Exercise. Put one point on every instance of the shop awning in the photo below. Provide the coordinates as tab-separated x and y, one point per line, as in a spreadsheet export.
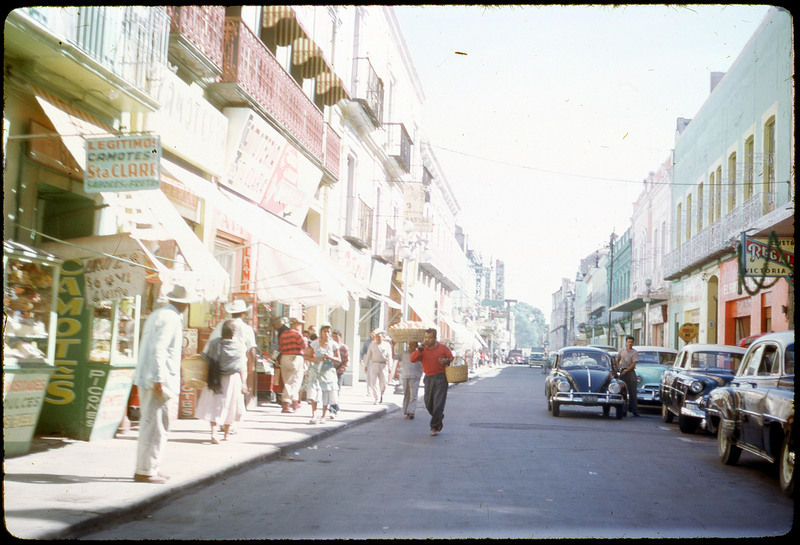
72	125
153	221
308	56
289	266
148	214
330	88
465	336
284	21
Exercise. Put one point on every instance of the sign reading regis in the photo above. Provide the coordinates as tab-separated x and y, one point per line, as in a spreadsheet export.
124	163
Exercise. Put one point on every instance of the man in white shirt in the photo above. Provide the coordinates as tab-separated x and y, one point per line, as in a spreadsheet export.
158	379
376	361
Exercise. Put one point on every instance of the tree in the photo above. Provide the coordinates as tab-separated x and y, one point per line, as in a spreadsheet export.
530	325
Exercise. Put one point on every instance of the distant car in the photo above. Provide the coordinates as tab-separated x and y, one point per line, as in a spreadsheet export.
582	375
610	349
698	369
515	357
756	411
536	359
747	341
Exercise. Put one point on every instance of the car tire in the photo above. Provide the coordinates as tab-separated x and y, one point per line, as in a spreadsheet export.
688	424
606	410
556	408
786	468
728	451
666	414
622	410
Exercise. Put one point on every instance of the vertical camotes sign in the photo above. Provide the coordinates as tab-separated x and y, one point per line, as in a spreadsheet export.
122	163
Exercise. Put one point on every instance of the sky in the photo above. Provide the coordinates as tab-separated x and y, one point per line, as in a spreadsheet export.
546	119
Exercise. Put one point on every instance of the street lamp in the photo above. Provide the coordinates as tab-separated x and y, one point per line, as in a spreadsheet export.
647	300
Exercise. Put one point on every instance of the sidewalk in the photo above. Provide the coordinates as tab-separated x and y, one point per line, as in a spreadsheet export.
63	486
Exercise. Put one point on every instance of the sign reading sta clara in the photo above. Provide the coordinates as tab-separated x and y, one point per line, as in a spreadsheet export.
122	163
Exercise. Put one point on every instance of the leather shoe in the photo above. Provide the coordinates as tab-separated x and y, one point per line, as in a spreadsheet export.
154	479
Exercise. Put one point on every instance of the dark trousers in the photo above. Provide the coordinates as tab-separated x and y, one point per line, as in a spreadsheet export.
630	382
435	398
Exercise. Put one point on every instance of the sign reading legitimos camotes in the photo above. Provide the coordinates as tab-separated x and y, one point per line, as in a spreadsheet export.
122	163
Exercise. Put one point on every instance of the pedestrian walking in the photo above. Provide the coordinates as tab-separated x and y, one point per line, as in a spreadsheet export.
410	375
323	384
158	379
344	359
244	332
293	347
222	400
376	361
627	358
434	357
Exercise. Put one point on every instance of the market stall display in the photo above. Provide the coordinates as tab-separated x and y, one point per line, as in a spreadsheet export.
30	284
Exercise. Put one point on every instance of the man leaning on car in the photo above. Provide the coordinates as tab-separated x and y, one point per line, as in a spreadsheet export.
627	358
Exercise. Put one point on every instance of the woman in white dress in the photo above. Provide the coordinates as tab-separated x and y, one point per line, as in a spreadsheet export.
323	382
222	400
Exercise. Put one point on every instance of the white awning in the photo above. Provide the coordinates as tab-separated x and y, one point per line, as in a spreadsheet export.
154	222
150	216
289	266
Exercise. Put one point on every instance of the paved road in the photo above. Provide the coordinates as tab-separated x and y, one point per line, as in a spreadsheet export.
502	467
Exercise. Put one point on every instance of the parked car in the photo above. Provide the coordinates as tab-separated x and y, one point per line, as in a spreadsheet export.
536	359
698	369
756	411
653	361
745	342
583	375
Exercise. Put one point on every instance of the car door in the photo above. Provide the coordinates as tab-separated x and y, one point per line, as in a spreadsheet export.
670	379
761	375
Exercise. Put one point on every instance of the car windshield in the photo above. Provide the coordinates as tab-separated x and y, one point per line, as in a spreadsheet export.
790	359
585	359
663	358
721	360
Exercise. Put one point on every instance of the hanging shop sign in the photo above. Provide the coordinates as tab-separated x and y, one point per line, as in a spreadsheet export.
414	199
124	163
688	331
761	257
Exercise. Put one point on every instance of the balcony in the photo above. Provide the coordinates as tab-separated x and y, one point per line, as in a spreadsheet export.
333	150
116	51
359	228
196	38
398	145
366	106
253	78
716	240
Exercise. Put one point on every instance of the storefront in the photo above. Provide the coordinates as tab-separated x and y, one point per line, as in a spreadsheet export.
30	288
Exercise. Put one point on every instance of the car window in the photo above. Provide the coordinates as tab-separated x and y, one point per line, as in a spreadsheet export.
649	357
753	362
585	359
789	360
722	360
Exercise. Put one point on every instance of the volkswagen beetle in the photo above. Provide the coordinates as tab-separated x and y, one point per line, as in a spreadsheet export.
756	411
583	375
698	369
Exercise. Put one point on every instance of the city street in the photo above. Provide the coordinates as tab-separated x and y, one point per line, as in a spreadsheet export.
502	467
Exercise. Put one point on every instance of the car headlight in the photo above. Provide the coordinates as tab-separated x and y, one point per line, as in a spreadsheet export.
614	388
696	387
638	379
563	386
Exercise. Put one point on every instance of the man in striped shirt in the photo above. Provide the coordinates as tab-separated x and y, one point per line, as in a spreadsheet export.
292	346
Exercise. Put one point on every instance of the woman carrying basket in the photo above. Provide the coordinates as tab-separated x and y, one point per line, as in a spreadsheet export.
434	357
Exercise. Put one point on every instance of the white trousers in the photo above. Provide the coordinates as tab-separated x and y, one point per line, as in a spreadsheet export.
153	432
377	374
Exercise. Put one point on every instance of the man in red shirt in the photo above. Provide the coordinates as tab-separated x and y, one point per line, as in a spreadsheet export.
434	357
292	346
